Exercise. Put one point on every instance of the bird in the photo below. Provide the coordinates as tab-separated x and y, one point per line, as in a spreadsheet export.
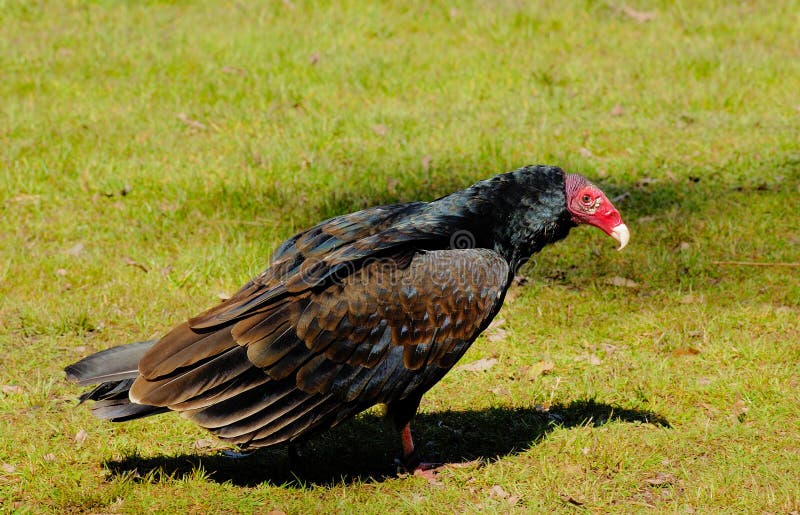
367	308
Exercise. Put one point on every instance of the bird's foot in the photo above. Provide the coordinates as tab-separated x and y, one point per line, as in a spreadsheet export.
413	467
429	470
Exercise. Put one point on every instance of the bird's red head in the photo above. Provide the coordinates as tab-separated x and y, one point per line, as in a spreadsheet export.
589	205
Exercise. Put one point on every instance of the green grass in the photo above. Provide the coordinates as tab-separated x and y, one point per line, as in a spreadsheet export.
154	153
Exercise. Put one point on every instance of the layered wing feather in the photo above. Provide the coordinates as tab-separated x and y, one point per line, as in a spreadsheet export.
268	368
323	251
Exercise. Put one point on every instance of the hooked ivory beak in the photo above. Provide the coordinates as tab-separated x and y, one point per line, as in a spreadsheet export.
621	234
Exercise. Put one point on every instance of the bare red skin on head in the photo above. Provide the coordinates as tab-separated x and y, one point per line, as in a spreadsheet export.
589	205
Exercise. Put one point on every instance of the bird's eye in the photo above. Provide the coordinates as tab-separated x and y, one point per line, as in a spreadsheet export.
586	199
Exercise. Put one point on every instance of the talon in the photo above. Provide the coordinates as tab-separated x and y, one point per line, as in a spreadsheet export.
418	468
429	470
423	466
409	463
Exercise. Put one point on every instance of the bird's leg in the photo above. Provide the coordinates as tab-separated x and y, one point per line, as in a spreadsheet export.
400	412
409	463
407	442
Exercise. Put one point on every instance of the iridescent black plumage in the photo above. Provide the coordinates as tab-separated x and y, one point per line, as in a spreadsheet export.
366	308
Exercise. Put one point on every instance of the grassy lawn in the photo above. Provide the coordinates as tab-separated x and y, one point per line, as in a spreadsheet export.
154	153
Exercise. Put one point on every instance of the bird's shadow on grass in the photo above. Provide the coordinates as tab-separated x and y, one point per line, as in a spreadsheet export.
361	450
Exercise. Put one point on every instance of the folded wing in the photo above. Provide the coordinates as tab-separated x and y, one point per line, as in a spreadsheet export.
258	372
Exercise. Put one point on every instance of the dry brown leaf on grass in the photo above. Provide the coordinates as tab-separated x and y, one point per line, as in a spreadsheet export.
739	408
131	262
478	366
391	185
685	351
622	282
75	249
234	70
25	197
380	129
511	294
495	331
192	124
540	368
617	110
498	492
81	436
662	479
431	476
692	299
497	335
639	16
477	463
571	500
11	388
204	443
426	161
499	390
591	359
610	349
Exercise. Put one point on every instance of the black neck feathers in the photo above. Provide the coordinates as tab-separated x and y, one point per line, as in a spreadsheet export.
515	213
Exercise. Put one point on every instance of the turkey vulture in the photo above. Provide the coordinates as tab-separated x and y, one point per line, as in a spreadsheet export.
372	307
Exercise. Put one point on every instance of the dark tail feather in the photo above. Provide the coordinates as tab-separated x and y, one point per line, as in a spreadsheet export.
120	410
109	365
114	371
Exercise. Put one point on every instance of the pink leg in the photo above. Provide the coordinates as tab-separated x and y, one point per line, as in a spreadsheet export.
406	441
424	469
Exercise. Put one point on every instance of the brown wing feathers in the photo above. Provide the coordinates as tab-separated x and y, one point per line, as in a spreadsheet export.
184	384
304	261
180	348
289	366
